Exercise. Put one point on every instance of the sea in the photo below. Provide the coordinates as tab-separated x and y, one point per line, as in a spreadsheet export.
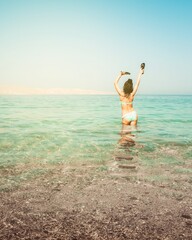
66	129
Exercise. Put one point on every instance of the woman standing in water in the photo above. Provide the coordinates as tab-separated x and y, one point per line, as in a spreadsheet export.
129	115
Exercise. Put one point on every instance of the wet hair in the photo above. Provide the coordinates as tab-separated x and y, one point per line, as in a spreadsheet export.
128	87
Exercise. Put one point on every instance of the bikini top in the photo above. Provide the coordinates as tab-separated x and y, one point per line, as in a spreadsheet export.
126	103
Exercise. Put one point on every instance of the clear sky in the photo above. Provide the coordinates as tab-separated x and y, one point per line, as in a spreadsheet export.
85	43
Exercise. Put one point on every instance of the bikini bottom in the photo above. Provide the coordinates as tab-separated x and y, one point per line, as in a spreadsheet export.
130	116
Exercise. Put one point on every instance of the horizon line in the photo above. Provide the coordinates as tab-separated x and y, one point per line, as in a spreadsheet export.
6	90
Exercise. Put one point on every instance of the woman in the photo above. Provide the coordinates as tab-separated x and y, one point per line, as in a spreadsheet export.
129	115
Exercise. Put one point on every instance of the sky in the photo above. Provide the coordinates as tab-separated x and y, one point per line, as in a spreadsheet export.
84	44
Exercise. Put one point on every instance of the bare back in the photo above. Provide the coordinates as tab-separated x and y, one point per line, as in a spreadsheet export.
127	103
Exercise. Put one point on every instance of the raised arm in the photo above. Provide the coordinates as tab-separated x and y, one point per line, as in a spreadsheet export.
120	92
141	72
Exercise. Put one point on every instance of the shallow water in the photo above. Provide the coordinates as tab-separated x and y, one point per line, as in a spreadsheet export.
65	129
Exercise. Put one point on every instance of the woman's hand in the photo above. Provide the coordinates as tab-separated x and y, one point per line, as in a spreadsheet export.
124	73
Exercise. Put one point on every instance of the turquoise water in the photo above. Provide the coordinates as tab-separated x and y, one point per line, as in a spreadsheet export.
66	129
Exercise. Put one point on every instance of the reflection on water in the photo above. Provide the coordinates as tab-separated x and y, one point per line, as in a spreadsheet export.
127	137
125	145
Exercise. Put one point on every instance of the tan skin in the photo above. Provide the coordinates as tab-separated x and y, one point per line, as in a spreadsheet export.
128	98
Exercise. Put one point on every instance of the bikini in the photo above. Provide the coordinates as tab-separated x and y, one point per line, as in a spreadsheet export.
129	116
126	103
